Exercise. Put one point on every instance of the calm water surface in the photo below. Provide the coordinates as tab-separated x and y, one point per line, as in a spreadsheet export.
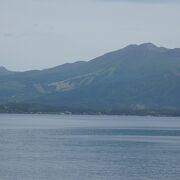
55	147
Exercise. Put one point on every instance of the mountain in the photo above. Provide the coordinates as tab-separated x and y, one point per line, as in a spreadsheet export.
4	71
137	77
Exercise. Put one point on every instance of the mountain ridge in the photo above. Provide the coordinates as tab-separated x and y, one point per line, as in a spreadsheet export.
147	46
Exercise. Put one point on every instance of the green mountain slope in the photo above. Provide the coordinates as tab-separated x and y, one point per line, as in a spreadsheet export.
138	77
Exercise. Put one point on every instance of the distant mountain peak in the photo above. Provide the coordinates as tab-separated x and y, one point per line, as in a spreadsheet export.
149	46
153	47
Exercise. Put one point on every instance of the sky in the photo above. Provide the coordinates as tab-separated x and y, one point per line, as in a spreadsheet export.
38	34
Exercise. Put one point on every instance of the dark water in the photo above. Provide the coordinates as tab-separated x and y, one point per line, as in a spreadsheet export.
52	147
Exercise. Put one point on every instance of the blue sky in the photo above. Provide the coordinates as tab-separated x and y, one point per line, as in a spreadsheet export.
37	34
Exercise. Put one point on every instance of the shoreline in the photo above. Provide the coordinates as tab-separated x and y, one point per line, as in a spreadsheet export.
87	114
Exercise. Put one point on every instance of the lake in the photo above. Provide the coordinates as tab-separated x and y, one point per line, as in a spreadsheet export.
67	147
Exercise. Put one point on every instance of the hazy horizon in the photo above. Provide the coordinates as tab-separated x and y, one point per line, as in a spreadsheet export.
39	34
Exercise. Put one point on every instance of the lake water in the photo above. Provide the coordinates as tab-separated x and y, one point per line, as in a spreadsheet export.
55	147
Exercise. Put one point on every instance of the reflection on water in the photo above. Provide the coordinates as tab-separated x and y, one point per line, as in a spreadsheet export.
89	147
